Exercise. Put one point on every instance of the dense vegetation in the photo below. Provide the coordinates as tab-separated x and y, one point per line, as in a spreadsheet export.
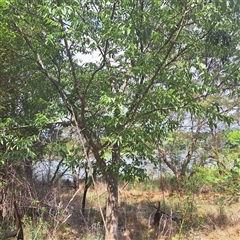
103	88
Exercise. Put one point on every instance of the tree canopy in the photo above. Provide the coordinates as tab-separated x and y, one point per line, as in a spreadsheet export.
149	65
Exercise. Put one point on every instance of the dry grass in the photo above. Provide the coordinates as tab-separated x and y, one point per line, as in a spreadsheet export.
205	216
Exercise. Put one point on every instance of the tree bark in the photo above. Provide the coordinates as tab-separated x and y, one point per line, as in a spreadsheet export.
84	198
111	231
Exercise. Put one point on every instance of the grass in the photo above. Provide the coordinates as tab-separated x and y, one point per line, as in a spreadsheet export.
205	215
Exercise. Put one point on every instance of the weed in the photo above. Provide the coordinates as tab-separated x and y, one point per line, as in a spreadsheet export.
201	213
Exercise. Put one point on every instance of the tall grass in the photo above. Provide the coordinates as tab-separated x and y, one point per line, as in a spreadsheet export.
201	211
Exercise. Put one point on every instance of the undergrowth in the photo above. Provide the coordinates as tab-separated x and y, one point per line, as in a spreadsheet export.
201	206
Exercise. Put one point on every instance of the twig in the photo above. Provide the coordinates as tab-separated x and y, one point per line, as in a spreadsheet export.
151	203
71	199
37	231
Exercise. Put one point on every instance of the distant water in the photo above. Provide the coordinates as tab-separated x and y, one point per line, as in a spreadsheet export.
45	170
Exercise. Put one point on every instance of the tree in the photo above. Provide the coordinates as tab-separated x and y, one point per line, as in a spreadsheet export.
25	110
148	71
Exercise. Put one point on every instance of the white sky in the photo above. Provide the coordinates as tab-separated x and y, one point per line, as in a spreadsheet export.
88	58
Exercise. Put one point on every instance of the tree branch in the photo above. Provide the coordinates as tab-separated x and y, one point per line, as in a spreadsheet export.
163	155
43	68
192	147
152	79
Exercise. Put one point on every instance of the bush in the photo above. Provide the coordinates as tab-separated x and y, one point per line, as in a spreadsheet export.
202	180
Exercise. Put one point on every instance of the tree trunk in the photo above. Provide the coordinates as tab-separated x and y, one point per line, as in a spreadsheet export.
111	177
84	199
87	185
111	232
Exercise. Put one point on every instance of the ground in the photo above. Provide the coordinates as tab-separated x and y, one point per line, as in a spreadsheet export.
205	215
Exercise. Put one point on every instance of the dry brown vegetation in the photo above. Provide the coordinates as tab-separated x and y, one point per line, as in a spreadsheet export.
205	215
